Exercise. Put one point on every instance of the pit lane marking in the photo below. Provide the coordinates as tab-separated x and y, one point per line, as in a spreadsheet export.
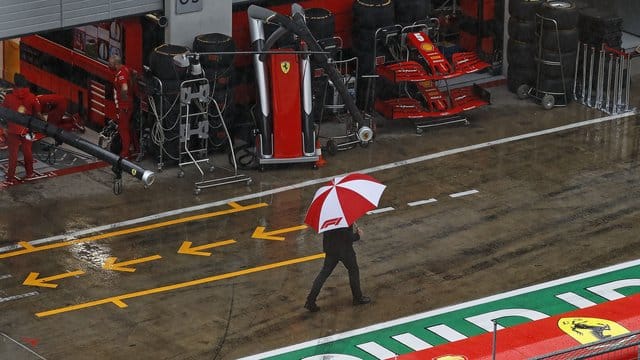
14	297
252	196
464	193
27	247
422	202
381	210
119	299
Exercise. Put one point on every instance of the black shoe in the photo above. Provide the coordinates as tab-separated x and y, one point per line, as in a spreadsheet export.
312	307
363	300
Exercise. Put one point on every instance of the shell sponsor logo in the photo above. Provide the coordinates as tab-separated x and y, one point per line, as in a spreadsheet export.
451	357
427	47
22	109
586	330
285	66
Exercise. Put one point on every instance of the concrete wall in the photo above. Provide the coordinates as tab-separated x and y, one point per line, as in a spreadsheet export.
215	17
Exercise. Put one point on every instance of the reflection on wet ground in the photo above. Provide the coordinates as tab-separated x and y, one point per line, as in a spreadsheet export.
544	207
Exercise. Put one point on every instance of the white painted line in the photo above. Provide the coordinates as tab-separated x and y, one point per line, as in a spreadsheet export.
81	233
440	311
576	300
22	346
422	202
376	350
17	297
464	193
2	277
446	332
412	342
381	210
608	290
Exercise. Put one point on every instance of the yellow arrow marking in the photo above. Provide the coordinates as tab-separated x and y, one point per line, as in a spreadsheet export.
119	300
33	280
186	248
259	233
110	263
28	248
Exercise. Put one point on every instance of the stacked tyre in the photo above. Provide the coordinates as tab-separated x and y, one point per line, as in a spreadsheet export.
559	47
599	27
409	11
321	24
217	62
162	66
521	46
368	16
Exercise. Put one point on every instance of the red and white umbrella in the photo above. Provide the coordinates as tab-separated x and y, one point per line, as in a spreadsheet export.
342	201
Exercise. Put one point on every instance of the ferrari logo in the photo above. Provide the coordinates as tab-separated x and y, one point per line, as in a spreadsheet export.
285	66
586	330
451	357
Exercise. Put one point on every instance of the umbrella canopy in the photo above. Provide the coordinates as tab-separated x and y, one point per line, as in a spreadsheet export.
342	201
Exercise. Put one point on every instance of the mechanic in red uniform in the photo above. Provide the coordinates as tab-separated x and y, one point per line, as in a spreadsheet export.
123	97
55	107
24	102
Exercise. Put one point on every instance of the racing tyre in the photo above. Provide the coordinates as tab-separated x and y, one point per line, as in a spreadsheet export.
563	12
373	14
214	42
566	40
524	9
161	62
522	30
568	61
517	77
320	22
555	85
521	54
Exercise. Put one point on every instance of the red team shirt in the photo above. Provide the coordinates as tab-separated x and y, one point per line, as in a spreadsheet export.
123	76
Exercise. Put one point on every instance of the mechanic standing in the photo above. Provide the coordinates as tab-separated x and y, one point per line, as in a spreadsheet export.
123	97
23	101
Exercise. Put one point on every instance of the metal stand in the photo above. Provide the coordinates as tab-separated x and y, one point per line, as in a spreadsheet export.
193	93
456	119
547	99
612	86
236	177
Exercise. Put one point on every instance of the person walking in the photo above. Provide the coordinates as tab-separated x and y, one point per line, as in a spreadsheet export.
123	97
338	247
23	101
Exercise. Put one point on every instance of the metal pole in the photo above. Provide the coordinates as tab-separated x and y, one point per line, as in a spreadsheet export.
608	90
119	164
626	108
585	50
591	59
599	89
575	74
623	81
615	87
495	338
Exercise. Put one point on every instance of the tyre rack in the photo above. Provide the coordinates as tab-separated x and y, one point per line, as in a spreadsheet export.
441	106
546	98
194	93
612	86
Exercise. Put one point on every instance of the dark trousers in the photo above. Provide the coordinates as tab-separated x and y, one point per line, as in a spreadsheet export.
14	141
330	262
124	120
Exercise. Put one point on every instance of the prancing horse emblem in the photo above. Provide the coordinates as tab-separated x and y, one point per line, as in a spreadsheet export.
285	66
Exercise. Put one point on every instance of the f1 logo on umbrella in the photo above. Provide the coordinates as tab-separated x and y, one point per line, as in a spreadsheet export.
345	197
331	222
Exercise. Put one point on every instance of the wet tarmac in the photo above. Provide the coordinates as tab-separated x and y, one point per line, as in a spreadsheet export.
531	206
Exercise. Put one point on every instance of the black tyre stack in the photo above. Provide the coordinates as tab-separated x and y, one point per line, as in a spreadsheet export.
409	11
321	24
368	16
521	47
561	47
219	70
598	27
162	66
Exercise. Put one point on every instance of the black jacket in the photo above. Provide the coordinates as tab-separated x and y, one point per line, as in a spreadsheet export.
339	241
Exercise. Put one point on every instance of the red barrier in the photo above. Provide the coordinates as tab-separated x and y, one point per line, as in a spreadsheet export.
536	338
